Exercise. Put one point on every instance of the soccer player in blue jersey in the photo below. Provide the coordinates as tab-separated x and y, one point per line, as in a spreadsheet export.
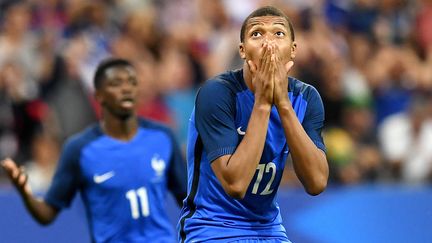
244	125
122	167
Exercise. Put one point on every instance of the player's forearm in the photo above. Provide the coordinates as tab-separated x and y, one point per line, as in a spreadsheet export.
241	167
42	212
310	163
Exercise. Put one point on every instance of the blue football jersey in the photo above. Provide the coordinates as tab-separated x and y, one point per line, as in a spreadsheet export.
123	184
218	123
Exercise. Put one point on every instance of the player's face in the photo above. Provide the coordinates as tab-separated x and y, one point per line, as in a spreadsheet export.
118	94
267	29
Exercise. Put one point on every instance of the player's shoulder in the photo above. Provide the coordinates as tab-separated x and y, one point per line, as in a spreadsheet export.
229	82
147	124
300	88
79	140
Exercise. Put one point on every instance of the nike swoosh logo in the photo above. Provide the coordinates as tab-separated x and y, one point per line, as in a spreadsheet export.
101	178
240	131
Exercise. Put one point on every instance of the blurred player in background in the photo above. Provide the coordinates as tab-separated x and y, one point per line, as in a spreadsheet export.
122	167
244	125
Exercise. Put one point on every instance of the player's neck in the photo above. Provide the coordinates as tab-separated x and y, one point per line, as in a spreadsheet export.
247	76
122	129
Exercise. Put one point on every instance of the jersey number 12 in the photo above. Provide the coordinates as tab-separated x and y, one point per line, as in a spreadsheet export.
135	196
261	167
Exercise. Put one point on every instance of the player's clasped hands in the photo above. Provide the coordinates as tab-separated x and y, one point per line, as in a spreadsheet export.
270	77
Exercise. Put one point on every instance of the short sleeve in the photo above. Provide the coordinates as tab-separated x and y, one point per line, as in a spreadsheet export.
215	119
313	121
66	178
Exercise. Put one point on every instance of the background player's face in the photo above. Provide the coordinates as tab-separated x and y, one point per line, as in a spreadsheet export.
119	90
272	29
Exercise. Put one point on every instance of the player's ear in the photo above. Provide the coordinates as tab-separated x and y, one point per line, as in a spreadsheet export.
242	51
293	50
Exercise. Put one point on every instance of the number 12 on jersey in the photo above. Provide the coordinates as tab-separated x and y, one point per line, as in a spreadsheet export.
267	168
135	196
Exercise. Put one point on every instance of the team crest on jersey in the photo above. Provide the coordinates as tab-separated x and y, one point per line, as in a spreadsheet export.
158	164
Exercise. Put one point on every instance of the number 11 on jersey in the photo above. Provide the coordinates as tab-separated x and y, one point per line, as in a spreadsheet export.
135	196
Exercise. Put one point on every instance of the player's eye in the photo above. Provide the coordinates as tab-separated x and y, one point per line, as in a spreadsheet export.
114	82
256	34
280	33
133	81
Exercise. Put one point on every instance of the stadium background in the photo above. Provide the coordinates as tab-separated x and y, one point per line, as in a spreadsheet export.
370	60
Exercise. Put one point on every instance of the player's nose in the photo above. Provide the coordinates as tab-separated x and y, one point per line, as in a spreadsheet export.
126	87
268	41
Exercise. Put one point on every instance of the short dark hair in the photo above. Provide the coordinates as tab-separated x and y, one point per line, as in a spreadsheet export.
266	11
103	66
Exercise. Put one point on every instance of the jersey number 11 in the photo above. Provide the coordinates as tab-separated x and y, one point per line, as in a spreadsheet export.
135	196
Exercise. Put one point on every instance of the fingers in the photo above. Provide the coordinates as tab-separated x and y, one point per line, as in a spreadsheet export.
16	175
22	177
269	59
278	55
288	66
10	167
264	61
252	66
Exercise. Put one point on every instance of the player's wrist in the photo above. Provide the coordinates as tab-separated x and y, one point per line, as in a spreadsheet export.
281	99
283	105
263	106
262	99
26	197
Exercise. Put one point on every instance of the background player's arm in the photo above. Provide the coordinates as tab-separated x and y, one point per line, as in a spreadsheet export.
40	210
236	171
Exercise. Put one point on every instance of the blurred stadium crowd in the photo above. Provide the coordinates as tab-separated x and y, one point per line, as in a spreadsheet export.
370	60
